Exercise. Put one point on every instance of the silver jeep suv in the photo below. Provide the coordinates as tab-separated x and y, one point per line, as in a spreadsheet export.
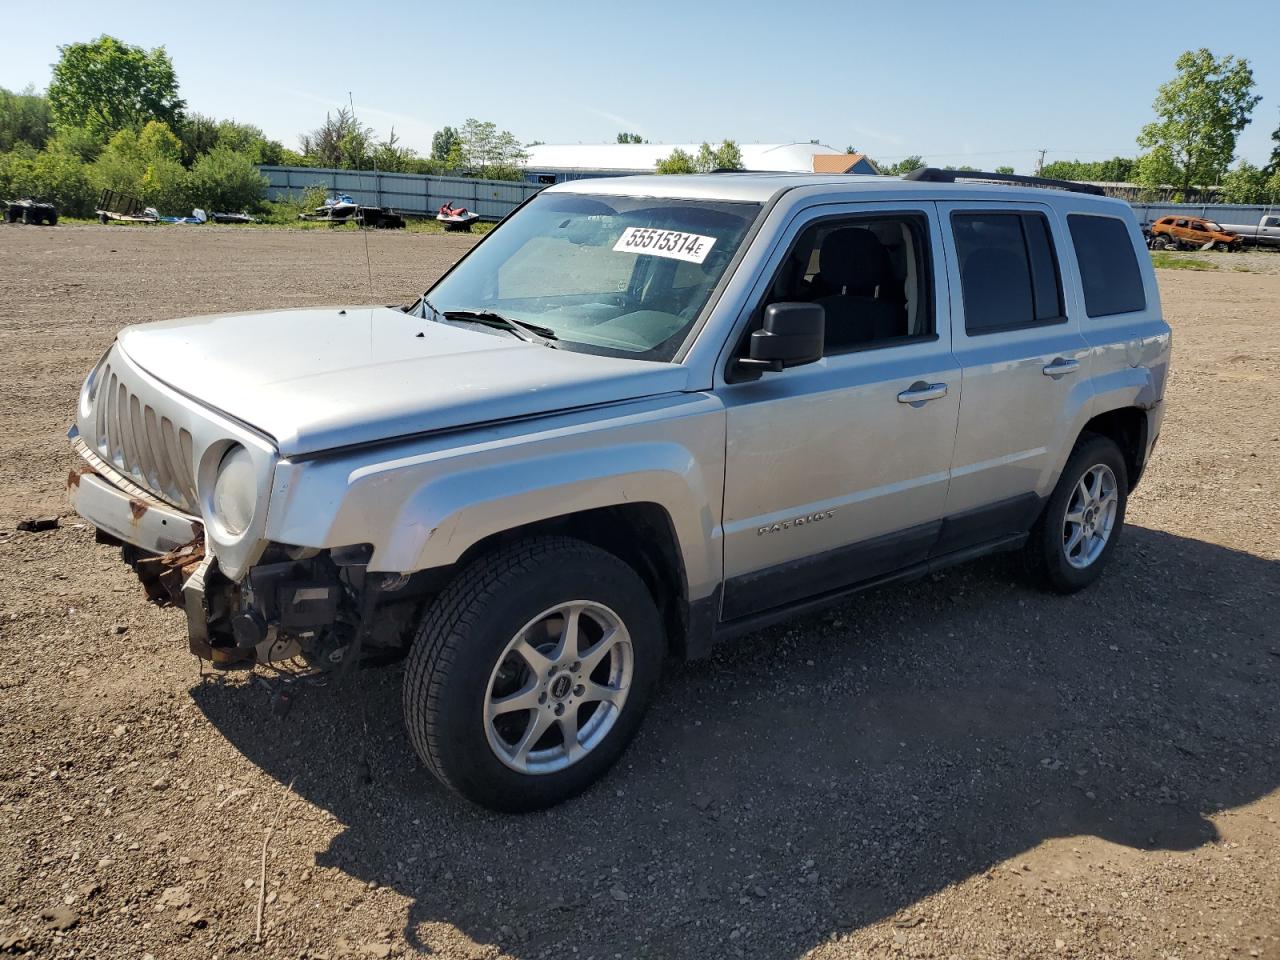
643	416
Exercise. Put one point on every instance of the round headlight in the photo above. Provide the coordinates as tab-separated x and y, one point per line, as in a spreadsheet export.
235	491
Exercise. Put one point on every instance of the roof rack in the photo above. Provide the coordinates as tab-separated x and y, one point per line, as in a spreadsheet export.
934	175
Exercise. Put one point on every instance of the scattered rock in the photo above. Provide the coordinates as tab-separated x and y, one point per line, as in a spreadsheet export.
619	894
175	897
60	917
38	524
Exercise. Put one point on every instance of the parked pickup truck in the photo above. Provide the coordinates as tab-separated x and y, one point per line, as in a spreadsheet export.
1265	233
641	417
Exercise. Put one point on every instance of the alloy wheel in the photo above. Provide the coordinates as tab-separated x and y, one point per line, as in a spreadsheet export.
1090	516
558	688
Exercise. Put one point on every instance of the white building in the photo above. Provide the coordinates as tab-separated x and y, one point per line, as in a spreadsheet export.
553	163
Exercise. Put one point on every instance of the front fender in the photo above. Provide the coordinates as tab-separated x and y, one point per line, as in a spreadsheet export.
421	505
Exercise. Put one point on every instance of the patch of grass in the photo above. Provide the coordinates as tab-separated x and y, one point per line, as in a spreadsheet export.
1170	261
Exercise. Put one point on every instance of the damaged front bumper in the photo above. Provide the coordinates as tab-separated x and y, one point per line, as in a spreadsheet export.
124	510
165	546
294	602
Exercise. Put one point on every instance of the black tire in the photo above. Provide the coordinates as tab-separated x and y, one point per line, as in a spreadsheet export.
1045	553
463	638
52	218
102	219
30	217
1160	243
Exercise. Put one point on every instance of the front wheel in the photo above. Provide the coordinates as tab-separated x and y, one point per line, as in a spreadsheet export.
531	673
1078	529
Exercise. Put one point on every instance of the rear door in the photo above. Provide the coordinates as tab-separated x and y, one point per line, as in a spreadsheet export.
1024	366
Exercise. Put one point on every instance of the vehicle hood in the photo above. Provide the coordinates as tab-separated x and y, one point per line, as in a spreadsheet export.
324	378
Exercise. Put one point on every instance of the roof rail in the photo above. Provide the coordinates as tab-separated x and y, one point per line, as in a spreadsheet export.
934	175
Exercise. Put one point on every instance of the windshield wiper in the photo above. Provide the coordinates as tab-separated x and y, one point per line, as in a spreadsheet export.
527	332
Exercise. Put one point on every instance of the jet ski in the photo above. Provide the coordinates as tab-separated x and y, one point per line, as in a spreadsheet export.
456	218
338	207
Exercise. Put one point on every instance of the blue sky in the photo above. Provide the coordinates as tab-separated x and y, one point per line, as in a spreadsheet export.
973	81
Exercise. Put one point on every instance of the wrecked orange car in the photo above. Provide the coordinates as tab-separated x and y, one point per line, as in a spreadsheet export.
1192	233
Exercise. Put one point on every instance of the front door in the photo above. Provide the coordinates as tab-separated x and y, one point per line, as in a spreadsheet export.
836	472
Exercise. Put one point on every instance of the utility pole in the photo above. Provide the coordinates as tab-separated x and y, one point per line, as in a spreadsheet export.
1040	162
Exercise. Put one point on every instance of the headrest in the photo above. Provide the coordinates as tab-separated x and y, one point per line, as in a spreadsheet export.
854	259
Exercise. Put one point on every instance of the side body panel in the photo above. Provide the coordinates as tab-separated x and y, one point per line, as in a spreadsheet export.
423	504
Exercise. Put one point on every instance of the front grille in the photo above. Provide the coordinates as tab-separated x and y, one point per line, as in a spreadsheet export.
144	445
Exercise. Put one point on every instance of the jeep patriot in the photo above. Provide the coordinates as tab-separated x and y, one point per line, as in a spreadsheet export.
641	417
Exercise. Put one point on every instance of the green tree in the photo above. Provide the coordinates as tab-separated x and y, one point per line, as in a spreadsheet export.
442	143
78	142
1154	170
1115	170
223	179
490	153
903	166
1249	184
341	141
200	134
146	165
1199	116
1004	169
631	138
24	118
52	175
678	161
727	156
105	86
1273	165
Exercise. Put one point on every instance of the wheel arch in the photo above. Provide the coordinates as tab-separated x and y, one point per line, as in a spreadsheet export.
641	534
1127	427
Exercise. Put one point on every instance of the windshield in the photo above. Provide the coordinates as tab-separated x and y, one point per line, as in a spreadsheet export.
623	276
1212	225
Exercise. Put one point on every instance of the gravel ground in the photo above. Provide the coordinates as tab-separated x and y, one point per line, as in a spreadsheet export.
959	767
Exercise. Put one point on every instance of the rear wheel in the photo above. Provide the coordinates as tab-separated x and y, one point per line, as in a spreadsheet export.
1078	529
1160	243
531	673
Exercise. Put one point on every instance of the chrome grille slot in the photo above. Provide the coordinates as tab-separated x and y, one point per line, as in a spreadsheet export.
144	445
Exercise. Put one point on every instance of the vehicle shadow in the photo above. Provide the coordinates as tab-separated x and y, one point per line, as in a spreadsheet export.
822	775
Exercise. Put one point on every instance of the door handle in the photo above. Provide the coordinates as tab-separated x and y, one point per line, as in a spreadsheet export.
1060	367
920	393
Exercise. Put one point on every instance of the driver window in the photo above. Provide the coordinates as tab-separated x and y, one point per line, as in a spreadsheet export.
871	274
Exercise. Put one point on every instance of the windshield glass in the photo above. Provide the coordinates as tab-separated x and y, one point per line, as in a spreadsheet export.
624	276
1212	225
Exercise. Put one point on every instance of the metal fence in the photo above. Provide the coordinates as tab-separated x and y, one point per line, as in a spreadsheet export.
406	192
1237	213
494	199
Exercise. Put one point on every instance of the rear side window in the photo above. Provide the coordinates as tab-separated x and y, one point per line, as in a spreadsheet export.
1008	271
1108	266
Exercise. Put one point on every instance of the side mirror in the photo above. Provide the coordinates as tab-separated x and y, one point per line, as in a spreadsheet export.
792	335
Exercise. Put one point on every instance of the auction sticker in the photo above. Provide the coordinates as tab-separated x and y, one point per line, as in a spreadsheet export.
692	247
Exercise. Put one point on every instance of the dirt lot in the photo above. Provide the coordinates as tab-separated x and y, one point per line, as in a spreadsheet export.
960	767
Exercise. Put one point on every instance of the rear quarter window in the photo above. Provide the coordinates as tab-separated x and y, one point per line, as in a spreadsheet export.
1109	270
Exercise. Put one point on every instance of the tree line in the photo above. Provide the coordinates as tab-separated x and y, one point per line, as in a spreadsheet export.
112	118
